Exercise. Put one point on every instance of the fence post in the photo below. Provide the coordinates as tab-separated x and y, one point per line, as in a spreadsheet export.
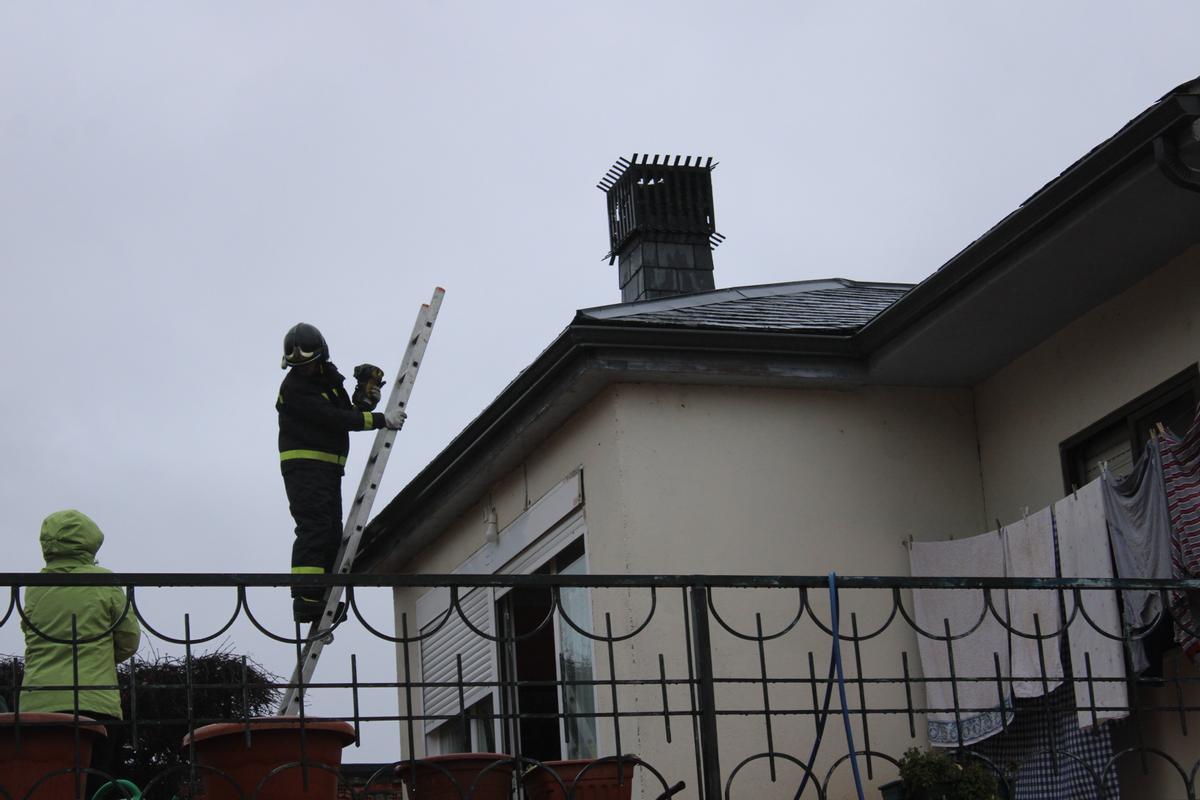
709	743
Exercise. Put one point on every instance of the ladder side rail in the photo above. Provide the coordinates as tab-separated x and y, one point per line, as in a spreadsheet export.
368	487
363	500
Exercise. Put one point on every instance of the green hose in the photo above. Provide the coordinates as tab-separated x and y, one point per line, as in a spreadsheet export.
122	789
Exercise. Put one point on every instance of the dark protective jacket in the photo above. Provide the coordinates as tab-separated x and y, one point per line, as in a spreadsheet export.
316	416
105	625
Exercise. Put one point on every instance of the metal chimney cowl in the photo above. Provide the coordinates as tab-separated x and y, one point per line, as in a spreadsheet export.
661	225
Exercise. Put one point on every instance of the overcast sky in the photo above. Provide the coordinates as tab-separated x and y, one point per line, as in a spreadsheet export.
182	182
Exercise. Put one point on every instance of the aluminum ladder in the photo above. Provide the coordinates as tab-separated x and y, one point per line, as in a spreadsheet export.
320	633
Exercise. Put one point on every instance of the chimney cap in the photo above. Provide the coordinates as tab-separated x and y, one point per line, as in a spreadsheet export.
659	194
622	164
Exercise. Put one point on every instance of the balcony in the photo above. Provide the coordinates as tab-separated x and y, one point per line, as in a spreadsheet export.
694	686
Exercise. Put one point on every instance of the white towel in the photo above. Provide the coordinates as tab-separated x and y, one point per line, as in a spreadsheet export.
1083	551
974	655
1029	553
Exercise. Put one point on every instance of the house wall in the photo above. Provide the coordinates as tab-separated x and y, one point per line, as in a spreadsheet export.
732	480
1088	369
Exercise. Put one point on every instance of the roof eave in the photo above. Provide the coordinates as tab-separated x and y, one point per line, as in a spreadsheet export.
1081	181
588	356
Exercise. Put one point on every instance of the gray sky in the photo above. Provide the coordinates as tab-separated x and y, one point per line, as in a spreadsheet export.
180	183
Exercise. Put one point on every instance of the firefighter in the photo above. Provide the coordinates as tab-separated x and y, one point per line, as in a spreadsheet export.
315	418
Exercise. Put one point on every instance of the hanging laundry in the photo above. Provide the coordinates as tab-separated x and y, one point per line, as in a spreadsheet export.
1094	634
1054	759
970	708
1181	478
1029	553
1139	528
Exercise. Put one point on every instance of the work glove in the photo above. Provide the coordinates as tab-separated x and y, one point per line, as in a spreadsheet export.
366	393
395	419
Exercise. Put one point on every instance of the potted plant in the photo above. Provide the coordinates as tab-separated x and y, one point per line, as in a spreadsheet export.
580	779
38	744
244	757
477	776
934	775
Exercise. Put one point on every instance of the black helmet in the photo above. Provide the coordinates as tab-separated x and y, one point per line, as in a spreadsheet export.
303	345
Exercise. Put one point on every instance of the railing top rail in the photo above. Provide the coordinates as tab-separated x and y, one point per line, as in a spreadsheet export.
393	580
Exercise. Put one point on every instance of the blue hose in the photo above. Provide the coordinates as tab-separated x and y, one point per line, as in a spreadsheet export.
837	657
835	667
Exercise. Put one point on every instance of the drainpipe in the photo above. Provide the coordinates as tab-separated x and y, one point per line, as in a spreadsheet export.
491	532
1166	153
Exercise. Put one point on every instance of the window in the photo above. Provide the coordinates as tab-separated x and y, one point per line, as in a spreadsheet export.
548	666
470	732
1118	439
553	662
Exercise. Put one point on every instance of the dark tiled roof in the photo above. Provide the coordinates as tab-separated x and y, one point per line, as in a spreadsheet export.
835	305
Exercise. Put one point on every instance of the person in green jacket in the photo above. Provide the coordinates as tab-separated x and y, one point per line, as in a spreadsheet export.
106	633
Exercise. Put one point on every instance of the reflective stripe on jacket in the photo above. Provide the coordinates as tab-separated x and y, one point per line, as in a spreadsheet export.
316	416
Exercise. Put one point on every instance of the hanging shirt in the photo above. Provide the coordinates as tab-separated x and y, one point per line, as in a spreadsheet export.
1139	529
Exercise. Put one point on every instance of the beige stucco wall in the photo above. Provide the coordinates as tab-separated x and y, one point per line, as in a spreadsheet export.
702	479
1090	368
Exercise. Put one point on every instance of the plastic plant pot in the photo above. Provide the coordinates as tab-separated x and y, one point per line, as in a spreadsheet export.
46	744
892	791
589	780
273	742
458	776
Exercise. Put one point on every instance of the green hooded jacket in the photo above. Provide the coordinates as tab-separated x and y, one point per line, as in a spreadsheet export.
69	544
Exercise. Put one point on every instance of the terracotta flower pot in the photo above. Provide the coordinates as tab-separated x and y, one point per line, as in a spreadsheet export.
451	777
44	749
274	741
600	781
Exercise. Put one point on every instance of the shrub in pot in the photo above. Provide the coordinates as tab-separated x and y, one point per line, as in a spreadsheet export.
935	775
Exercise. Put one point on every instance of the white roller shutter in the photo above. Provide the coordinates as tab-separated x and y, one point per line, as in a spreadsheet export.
546	527
440	651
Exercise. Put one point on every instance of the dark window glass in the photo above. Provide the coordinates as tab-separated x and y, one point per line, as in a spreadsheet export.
1119	438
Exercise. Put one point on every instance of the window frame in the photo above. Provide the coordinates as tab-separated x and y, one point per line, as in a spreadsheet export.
1132	414
536	537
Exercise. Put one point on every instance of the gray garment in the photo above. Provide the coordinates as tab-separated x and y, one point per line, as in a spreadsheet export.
1139	529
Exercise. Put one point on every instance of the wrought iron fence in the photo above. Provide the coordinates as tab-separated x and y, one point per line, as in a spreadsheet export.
690	686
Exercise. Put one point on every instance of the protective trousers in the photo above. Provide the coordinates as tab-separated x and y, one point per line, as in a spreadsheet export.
314	493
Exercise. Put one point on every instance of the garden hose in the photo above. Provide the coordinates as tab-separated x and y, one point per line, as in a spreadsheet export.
119	790
835	668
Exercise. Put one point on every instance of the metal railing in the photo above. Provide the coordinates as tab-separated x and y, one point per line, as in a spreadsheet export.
712	686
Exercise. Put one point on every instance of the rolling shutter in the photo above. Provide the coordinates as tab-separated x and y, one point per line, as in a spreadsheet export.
441	648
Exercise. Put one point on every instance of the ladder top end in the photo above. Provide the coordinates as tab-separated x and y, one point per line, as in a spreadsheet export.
438	289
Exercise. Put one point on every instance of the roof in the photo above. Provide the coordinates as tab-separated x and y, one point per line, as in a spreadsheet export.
1109	219
835	305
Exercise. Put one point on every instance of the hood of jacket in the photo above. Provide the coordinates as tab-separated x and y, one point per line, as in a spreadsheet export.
70	537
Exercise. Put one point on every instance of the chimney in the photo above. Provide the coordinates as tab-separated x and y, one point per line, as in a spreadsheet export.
661	226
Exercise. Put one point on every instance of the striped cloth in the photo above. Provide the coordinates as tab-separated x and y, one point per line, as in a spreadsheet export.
1181	478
